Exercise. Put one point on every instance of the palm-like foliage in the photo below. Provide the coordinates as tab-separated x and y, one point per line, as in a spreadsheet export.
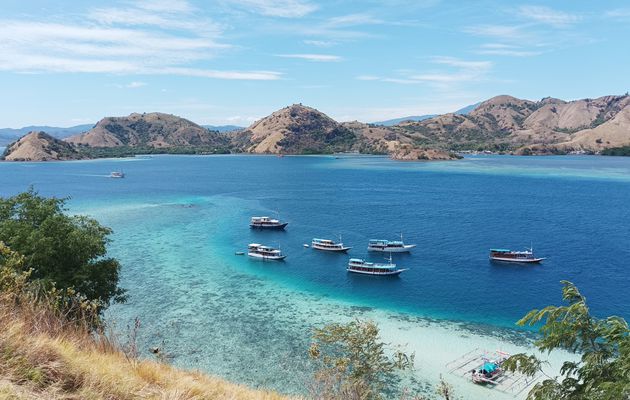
603	370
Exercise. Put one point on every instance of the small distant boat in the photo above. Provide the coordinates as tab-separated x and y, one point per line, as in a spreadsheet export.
117	174
507	255
267	223
329	245
261	252
388	246
360	266
306	245
240	253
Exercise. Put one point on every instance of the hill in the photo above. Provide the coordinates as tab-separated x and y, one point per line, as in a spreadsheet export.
224	128
9	135
40	146
296	129
45	356
550	125
151	130
395	121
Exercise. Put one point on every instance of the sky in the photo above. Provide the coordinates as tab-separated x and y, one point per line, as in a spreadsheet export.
67	63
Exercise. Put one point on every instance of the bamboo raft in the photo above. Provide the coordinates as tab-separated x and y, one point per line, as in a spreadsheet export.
513	383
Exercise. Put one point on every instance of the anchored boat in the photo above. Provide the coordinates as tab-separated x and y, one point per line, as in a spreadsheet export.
117	174
360	266
329	245
266	223
506	255
396	246
261	252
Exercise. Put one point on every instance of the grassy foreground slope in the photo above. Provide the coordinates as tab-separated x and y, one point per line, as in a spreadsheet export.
41	357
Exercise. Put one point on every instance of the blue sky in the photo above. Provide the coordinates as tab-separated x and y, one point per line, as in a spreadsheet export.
233	61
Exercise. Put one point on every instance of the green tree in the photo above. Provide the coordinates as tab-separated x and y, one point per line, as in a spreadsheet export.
62	251
603	371
354	361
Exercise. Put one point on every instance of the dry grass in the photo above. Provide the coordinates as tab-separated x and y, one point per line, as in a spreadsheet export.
43	356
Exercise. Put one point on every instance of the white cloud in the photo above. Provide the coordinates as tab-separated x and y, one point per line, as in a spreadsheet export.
352	20
313	57
549	16
502	32
457	71
501	49
133	85
276	8
320	43
619	13
146	37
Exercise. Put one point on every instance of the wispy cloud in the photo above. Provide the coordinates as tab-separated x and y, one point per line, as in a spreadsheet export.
457	71
132	85
549	16
619	13
321	43
275	8
353	20
144	37
502	32
502	49
313	57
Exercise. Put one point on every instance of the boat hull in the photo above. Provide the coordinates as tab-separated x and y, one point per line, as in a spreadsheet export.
406	249
269	227
388	273
333	250
516	260
266	258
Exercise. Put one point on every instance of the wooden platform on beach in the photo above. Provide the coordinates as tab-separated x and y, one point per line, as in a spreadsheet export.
513	383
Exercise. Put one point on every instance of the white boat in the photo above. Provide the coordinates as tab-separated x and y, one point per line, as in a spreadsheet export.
360	266
117	174
329	245
266	223
261	252
390	246
507	255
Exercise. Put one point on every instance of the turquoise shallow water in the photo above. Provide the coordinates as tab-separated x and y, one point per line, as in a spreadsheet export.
179	220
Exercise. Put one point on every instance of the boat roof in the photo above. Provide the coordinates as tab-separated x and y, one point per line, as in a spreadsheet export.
501	250
254	245
322	240
356	260
379	240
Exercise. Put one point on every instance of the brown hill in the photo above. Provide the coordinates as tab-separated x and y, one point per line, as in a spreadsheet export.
296	129
39	146
548	125
155	130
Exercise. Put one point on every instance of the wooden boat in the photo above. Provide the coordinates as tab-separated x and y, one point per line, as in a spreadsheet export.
507	255
267	223
265	253
360	266
389	246
329	245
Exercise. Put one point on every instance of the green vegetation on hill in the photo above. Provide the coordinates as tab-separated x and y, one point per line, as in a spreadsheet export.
603	371
617	151
63	253
130	151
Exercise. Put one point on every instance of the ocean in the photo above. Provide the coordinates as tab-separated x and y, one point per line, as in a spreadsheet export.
178	221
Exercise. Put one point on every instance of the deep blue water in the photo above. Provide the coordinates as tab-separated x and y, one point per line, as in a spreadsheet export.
179	219
454	214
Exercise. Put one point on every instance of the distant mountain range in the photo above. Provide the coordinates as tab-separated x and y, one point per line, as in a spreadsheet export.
10	135
501	124
224	128
391	122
